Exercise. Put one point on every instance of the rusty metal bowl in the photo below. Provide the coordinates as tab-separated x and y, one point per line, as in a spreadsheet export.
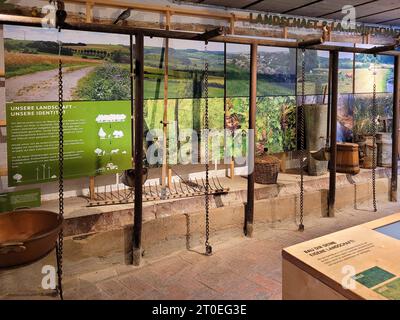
27	235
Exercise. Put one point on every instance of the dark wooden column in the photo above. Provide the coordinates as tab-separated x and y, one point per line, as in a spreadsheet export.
225	97
334	63
249	214
138	158
395	129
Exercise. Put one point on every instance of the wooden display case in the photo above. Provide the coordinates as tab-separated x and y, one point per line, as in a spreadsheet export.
362	263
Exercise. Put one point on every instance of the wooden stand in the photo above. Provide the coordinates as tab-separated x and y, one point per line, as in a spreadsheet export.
3	172
357	263
282	156
91	188
3	123
230	171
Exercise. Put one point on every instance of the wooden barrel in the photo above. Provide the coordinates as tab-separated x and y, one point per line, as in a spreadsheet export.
347	160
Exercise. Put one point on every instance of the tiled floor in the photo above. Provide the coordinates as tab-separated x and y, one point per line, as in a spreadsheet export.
241	268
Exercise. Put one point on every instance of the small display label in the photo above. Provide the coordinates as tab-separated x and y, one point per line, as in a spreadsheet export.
373	276
20	199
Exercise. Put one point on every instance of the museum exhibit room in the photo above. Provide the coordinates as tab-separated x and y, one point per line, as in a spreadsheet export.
192	150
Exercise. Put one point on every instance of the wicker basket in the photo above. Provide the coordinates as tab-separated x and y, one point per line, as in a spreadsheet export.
266	169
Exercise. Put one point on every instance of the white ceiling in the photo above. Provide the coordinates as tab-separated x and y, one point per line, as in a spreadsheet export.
370	11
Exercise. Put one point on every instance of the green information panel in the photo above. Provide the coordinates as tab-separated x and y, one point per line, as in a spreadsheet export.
97	140
20	199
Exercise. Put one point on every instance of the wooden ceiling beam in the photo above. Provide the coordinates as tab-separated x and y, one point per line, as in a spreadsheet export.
378	12
340	10
162	33
252	4
389	20
310	43
202	13
302	6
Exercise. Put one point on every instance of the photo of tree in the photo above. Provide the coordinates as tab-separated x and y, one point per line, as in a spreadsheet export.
316	64
276	71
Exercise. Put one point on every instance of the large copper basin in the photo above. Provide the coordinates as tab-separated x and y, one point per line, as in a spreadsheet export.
27	235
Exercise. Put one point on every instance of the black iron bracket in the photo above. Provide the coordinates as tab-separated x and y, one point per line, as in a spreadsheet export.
385	48
208	35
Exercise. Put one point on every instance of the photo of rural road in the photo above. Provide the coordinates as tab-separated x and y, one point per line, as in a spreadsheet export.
95	67
32	87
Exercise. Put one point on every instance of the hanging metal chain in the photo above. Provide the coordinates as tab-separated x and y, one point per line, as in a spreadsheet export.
60	243
207	182
302	139
374	120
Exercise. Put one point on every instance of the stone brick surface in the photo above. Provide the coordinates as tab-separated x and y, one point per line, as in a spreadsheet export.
240	268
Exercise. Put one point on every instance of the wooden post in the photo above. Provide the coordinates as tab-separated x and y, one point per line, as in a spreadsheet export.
3	171
329	104
226	114
164	169
168	20
165	172
91	188
232	169
249	214
169	181
395	129
225	97
232	24
89	12
354	73
285	32
138	153
366	38
334	57
329	34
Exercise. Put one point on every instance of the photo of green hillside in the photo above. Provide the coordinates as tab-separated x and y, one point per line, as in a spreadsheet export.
185	71
96	67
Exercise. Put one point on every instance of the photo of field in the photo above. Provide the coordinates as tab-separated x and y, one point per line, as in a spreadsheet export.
32	58
25	73
383	74
96	67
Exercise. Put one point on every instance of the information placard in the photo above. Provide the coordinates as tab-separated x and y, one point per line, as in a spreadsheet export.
20	199
355	263
97	140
